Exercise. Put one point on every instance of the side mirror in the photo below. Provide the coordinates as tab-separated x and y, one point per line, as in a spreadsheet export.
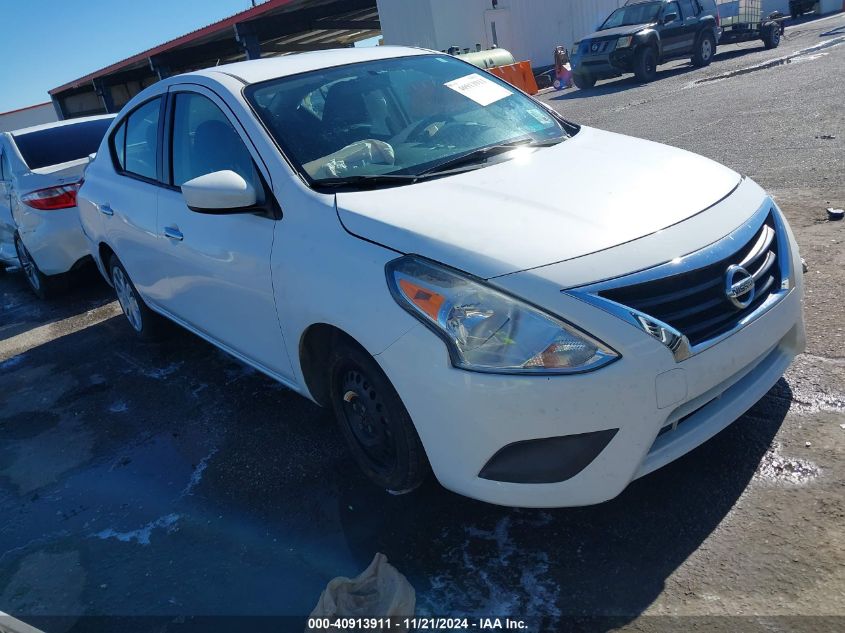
220	192
670	17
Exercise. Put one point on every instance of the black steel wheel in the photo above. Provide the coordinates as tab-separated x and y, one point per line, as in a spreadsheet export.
772	37
374	421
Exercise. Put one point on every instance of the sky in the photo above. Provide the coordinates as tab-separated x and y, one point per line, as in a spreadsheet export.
46	43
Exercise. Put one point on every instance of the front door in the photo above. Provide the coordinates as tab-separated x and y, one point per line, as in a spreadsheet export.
219	265
673	34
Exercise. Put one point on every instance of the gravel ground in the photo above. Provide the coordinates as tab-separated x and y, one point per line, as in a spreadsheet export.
140	479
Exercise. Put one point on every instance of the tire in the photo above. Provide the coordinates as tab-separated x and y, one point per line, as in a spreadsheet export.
44	286
772	38
583	82
705	50
374	421
645	64
146	323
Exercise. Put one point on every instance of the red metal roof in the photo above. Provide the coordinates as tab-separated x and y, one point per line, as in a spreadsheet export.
211	29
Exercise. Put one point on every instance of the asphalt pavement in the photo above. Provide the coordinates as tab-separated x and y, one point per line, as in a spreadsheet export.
169	480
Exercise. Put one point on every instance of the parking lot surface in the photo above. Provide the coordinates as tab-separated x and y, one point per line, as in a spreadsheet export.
170	480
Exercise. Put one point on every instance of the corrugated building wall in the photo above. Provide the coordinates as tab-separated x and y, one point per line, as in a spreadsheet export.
26	117
530	29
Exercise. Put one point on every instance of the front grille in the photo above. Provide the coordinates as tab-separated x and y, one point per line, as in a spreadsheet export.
695	302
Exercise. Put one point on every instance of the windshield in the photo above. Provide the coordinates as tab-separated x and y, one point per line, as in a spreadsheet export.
644	13
61	144
399	116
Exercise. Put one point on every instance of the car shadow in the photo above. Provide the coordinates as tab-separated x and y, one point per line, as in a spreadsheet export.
21	311
212	456
629	82
606	563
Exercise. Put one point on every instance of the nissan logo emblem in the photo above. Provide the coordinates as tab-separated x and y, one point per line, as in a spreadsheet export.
739	287
595	47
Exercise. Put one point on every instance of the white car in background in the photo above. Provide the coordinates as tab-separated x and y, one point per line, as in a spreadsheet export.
379	230
40	171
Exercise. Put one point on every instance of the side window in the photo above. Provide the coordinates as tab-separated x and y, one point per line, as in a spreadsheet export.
672	7
118	144
688	9
204	141
135	143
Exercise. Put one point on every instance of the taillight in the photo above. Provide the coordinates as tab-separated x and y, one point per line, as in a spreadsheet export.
52	198
718	19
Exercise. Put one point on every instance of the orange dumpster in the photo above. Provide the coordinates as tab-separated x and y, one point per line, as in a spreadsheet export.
519	75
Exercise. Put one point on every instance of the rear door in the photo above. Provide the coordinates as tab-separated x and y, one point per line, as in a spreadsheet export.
127	199
692	23
7	226
219	265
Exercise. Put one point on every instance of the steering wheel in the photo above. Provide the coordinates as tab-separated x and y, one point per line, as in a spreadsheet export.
416	135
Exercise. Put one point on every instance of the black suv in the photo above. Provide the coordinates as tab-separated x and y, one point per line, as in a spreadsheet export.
797	8
644	33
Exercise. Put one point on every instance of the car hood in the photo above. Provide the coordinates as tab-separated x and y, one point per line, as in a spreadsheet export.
618	31
590	193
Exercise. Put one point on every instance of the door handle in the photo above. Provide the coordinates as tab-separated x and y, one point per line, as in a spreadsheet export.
173	233
105	209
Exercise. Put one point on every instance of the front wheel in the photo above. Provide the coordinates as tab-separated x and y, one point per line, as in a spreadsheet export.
582	81
772	37
374	421
645	64
705	50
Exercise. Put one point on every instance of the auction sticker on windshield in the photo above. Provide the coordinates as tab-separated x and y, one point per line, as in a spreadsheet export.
479	89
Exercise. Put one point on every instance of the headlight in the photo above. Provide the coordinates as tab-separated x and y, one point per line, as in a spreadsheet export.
624	42
487	330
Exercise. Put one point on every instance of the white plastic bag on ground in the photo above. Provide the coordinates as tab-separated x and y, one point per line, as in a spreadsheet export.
380	591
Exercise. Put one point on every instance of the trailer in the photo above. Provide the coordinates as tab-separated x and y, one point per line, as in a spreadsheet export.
743	21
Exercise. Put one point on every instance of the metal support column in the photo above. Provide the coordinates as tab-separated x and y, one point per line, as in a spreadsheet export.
160	67
245	36
104	92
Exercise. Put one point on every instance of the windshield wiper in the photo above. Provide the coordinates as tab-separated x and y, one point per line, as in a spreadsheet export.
483	153
367	180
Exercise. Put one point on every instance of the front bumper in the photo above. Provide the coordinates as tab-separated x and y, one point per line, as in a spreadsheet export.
604	66
465	418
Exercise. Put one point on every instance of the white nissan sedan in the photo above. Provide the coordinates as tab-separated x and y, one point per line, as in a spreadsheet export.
382	231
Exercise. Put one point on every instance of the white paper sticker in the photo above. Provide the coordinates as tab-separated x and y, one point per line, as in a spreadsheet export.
479	89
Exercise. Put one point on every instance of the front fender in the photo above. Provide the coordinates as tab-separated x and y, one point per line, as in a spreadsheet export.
649	37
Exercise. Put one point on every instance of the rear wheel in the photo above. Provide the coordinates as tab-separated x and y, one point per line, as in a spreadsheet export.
144	321
42	285
772	37
645	64
374	421
704	50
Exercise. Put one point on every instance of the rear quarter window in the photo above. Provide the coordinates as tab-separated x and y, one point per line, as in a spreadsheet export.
61	144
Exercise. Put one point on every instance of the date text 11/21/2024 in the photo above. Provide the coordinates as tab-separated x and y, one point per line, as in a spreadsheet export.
416	624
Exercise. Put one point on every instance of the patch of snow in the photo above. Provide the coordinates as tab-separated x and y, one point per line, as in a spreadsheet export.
119	407
196	476
141	535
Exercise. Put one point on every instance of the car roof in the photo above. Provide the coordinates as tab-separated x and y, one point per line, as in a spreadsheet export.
257	70
54	124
